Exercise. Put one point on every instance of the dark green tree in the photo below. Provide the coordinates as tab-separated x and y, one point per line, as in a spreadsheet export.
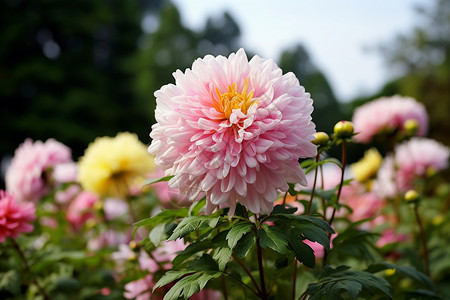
63	71
327	110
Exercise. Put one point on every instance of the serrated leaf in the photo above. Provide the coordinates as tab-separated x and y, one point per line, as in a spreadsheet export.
244	245
272	237
192	223
164	216
222	253
237	231
340	283
155	180
189	285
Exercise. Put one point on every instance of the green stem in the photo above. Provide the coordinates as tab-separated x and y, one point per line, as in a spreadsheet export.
248	273
344	161
261	270
423	240
28	270
224	288
294	279
314	186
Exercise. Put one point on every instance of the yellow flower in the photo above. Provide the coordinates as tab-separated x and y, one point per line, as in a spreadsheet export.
111	164
367	166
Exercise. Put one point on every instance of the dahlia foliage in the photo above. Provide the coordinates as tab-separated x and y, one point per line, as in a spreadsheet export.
236	196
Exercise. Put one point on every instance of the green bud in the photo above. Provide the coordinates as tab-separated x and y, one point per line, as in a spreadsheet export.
411	196
320	139
343	129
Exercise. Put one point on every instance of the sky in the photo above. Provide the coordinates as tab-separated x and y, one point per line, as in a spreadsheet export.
341	36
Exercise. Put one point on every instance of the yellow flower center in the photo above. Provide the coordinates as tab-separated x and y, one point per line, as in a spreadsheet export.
232	99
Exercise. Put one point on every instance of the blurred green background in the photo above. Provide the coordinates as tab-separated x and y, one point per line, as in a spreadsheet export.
76	70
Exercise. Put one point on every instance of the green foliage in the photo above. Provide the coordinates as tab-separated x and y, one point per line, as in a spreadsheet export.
341	283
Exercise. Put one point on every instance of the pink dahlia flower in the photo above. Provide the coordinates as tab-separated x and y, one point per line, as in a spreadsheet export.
388	114
233	129
25	177
416	157
15	217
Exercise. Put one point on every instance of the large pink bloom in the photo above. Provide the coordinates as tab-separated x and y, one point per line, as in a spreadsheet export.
388	114
25	177
15	218
233	129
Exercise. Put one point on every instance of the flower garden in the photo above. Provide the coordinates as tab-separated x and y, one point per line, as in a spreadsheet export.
234	197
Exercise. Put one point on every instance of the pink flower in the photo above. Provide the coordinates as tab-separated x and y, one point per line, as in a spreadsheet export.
412	159
140	289
388	114
389	236
364	204
318	249
15	217
80	210
233	129
65	172
25	177
114	208
416	157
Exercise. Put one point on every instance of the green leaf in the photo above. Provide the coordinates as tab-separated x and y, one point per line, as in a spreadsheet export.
272	237
189	285
157	233
328	160
164	216
155	180
191	250
170	276
407	271
10	281
237	231
244	245
192	223
203	263
281	209
222	253
342	283
303	252
315	234
196	207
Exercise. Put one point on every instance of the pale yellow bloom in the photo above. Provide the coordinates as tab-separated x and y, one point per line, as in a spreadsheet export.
367	166
111	165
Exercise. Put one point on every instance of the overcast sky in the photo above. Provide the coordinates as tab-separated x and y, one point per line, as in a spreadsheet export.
336	33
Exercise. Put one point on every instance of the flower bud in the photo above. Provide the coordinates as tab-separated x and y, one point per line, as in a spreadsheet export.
320	139
343	129
411	126
132	245
411	196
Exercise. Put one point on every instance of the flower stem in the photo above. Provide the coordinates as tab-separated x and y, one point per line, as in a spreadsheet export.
294	279
423	240
344	161
263	294
314	186
28	270
224	288
248	273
